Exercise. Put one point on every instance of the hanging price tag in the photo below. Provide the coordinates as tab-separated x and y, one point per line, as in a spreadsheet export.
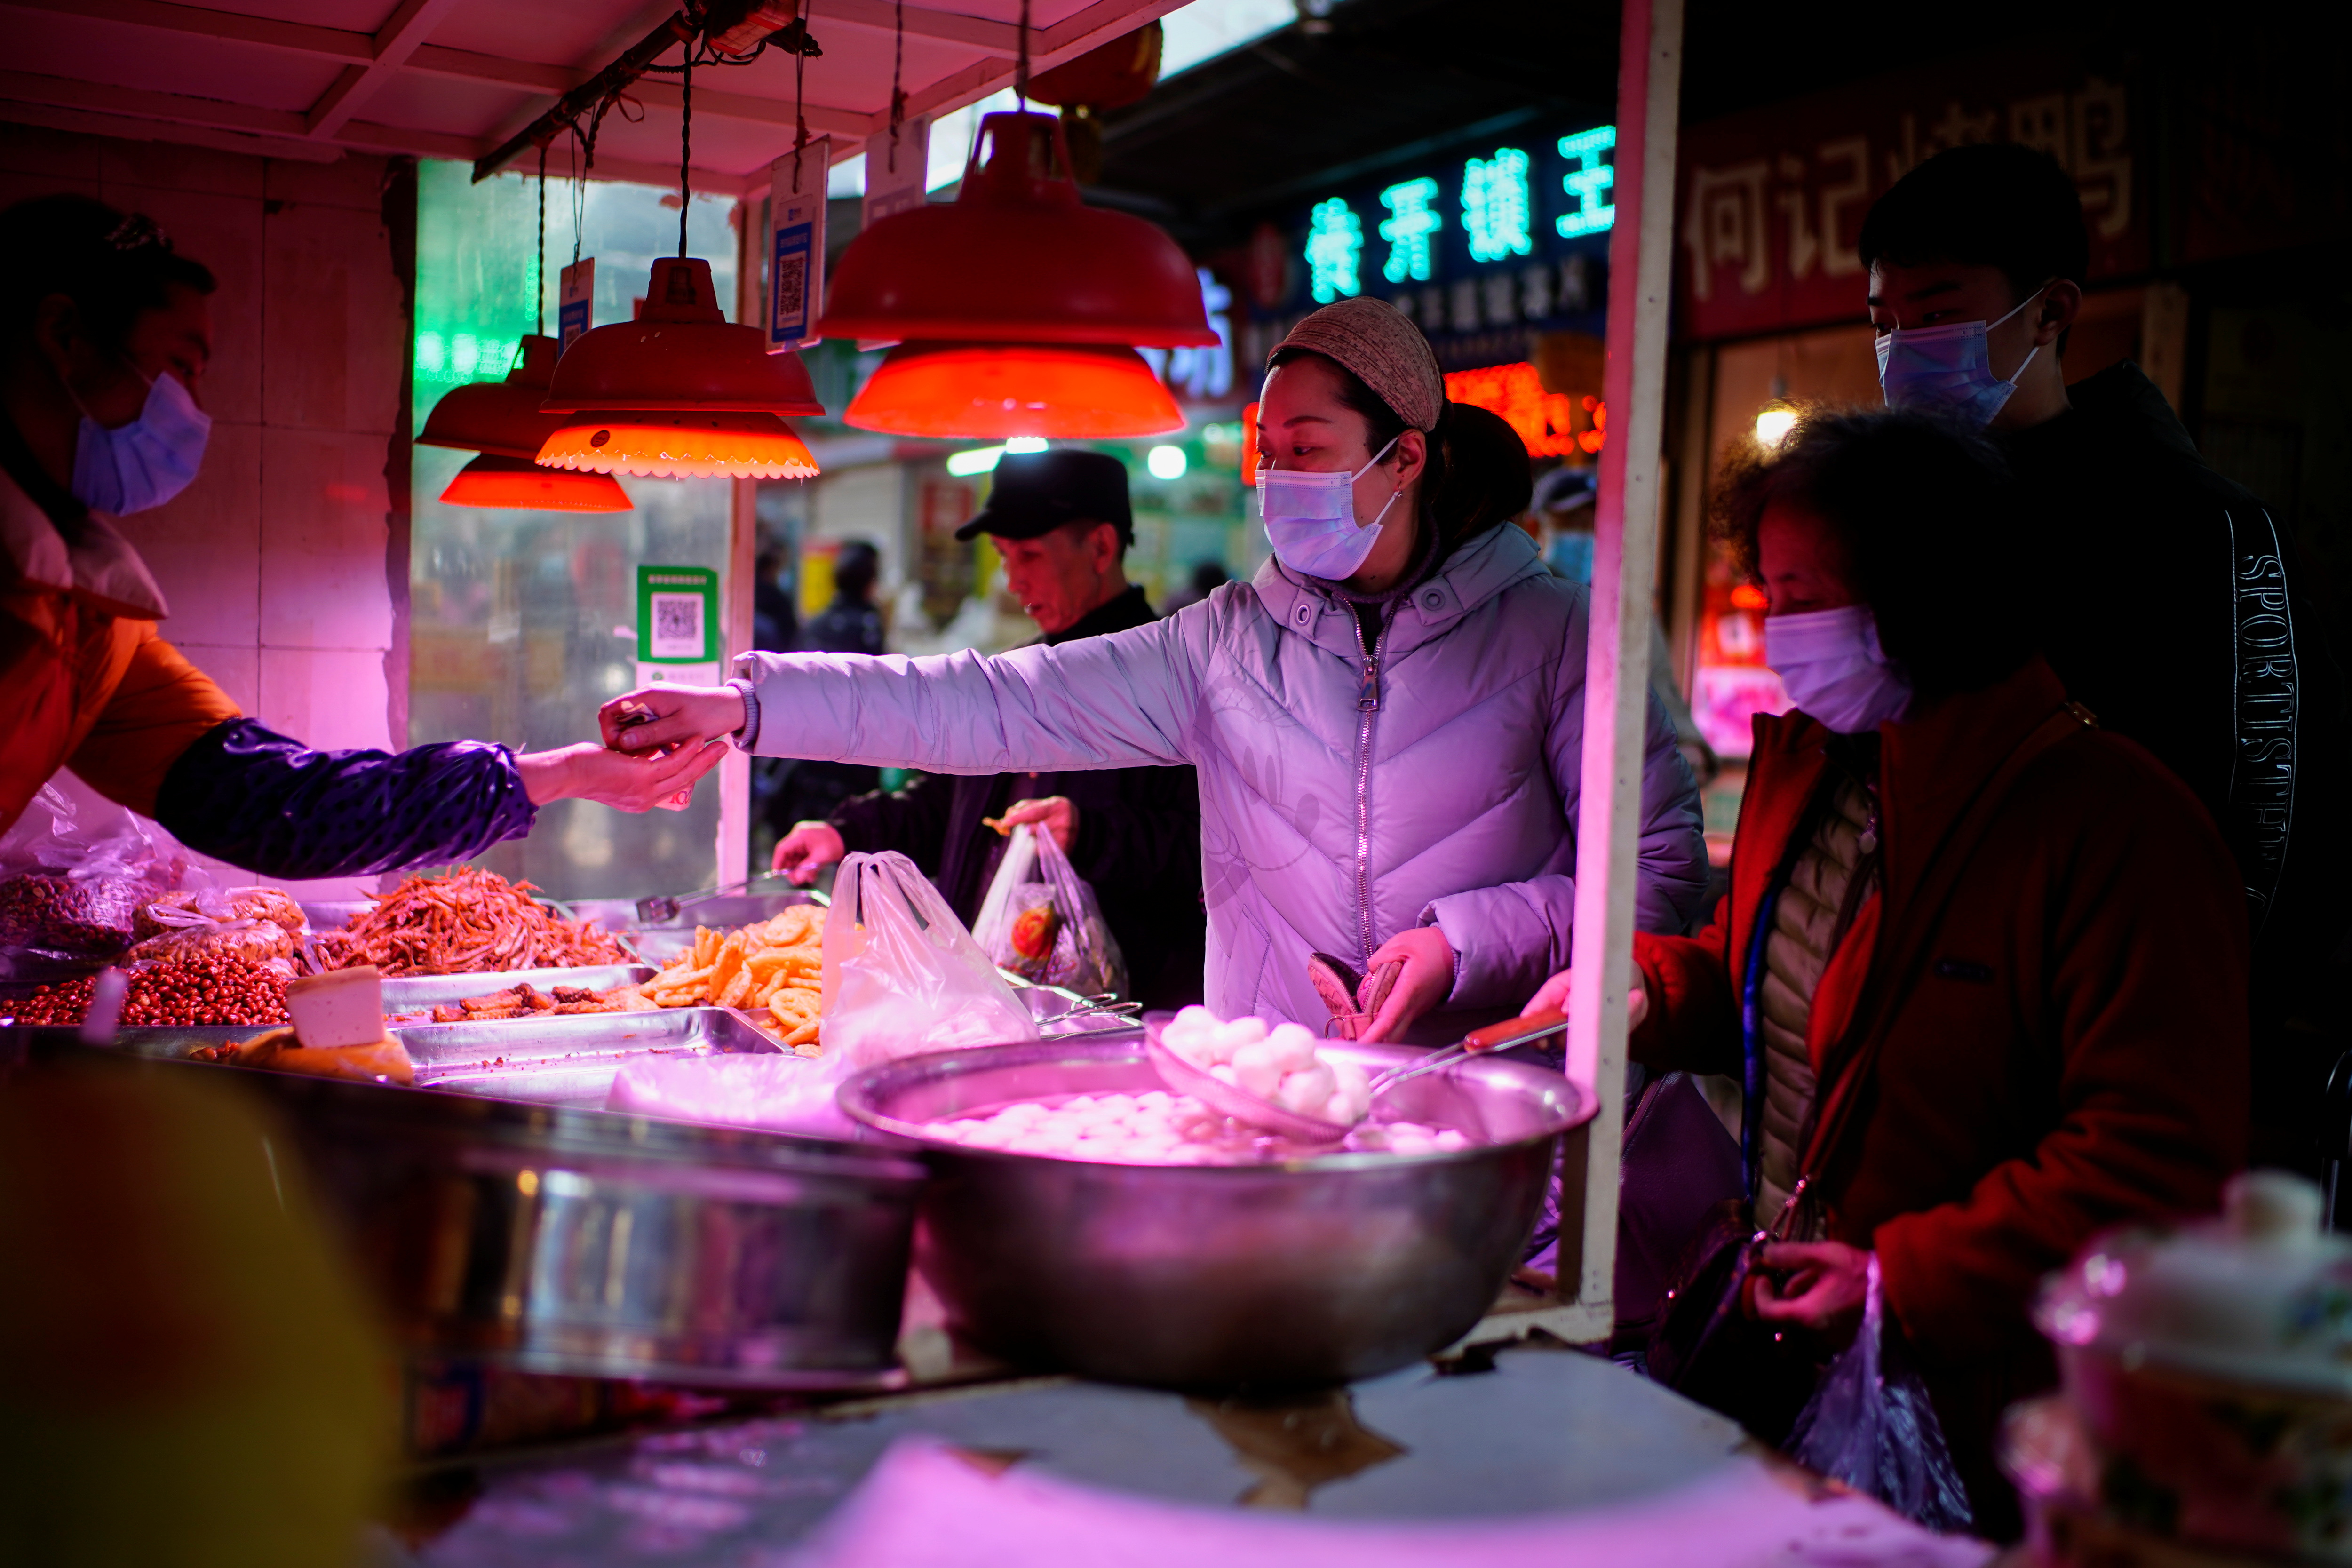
896	170
796	246
573	317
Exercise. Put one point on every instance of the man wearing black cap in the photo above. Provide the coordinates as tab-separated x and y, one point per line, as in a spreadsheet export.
1061	520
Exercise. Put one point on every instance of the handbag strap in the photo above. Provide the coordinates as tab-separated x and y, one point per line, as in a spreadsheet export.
1834	1113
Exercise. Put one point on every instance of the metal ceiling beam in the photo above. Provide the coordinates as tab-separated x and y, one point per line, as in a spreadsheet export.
92	123
999	39
291	37
399	37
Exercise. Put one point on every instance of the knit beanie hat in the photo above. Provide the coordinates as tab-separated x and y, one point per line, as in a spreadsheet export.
1383	350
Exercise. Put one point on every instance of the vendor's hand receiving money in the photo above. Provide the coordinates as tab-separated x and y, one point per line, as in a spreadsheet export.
654	717
1426	981
1551	996
806	850
589	771
1060	817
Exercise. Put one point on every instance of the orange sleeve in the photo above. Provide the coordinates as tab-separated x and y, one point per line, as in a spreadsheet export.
159	708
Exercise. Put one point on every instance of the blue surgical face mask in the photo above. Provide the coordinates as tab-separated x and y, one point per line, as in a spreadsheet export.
1310	518
1948	369
146	462
1832	667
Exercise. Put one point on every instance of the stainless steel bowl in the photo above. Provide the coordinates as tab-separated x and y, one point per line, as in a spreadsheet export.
572	1241
1310	1271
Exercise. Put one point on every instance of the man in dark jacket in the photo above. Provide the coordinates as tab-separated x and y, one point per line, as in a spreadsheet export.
1062	523
851	624
2172	604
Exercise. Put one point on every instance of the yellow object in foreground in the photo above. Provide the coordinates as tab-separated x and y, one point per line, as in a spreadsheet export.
771	963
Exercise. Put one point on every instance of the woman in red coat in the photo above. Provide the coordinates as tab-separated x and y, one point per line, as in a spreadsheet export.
2015	940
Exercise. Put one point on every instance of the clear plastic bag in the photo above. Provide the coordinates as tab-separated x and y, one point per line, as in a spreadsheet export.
1871	1426
263	925
72	879
1041	922
901	975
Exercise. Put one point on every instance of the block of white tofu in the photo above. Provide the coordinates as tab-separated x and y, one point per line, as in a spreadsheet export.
341	1008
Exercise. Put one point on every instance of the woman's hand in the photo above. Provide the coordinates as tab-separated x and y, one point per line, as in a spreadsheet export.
655	716
1426	980
1824	1293
589	771
1551	996
1060	817
806	850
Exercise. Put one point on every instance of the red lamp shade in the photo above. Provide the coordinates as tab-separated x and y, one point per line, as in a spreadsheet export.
1014	389
517	483
680	445
1016	258
681	355
501	417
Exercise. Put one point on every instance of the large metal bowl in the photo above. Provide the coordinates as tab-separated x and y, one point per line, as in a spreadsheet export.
560	1240
1311	1271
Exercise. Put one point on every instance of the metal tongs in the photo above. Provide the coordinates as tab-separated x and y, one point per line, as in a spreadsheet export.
662	908
1232	1099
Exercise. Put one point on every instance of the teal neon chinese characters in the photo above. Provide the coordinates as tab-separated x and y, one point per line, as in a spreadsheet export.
1497	207
1587	182
1413	219
1335	247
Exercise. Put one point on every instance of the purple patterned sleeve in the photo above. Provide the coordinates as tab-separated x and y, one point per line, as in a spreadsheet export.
256	799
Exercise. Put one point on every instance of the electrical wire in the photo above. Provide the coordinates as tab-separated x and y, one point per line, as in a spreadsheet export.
686	149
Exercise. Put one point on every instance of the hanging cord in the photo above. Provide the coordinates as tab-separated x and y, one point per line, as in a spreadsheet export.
897	97
685	148
579	194
1021	64
539	277
800	113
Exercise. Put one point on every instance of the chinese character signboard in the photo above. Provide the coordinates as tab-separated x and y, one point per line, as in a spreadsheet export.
1772	201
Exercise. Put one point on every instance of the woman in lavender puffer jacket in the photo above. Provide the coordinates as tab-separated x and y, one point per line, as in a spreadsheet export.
1388	763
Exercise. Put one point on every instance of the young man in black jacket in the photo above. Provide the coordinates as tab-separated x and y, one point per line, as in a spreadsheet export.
2172	599
1061	521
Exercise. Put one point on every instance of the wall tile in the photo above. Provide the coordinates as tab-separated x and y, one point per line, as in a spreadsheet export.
225	234
176	166
323	539
354	181
204	545
236	671
334	334
59	155
329	699
17	185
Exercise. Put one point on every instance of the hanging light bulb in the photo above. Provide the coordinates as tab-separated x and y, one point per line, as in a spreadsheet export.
503	420
1014	389
1016	306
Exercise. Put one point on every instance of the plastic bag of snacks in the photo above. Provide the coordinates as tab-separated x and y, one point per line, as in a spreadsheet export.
260	924
1040	920
72	879
900	975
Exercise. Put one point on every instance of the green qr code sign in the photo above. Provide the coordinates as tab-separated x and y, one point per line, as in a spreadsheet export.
678	615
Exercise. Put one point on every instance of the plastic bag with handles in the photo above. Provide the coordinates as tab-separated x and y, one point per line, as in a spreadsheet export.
1041	921
1870	1424
902	976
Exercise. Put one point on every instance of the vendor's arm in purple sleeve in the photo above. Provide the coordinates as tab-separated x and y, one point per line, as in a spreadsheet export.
1508	938
252	797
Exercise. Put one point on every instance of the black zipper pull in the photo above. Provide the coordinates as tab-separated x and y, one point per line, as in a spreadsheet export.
1368	699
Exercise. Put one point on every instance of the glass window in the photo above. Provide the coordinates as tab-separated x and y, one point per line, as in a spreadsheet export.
522	622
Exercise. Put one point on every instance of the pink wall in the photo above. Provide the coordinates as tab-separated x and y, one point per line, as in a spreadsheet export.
277	562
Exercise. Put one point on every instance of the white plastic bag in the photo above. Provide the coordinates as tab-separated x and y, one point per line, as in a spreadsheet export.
1870	1424
1040	920
72	878
901	975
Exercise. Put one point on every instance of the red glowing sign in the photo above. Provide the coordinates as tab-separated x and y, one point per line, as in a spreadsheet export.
1552	423
1249	446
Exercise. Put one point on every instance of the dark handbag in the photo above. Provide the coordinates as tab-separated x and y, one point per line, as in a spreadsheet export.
1709	1345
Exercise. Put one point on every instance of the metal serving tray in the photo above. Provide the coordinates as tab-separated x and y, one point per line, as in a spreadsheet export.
569	1059
417	993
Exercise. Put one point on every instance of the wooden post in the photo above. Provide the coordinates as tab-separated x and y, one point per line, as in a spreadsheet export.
1617	658
735	582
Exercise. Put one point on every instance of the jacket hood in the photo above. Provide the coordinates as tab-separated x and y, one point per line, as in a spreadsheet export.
1476	572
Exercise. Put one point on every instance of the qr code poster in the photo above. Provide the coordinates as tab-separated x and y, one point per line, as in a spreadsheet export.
678	615
796	245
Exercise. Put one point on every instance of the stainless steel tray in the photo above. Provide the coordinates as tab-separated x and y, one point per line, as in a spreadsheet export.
577	1242
417	993
568	1060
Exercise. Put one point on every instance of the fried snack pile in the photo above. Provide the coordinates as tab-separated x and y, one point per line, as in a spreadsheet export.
771	963
469	920
527	1000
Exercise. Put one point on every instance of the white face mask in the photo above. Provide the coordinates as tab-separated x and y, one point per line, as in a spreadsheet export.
1310	518
146	462
1948	369
1832	667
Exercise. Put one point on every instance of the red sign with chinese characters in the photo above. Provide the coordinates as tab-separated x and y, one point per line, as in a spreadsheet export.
1772	202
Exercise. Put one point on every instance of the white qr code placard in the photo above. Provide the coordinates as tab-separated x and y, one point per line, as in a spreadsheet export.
678	626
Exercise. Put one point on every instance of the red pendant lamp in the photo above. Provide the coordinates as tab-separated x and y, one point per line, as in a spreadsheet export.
503	420
1007	301
682	391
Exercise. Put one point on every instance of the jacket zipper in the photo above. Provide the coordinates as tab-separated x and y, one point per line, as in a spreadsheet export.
1367	703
